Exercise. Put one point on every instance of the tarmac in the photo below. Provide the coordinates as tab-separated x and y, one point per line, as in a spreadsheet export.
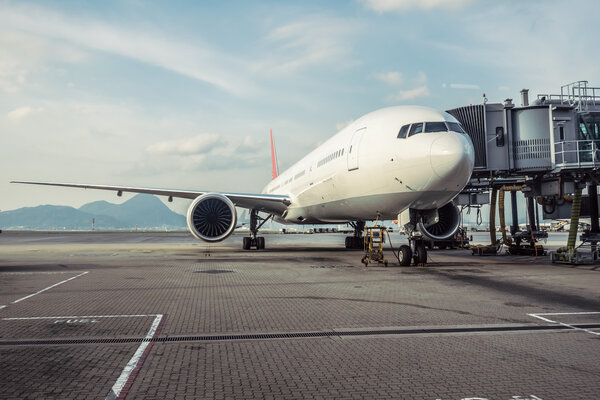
163	316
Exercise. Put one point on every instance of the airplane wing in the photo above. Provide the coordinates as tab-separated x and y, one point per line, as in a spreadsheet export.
269	203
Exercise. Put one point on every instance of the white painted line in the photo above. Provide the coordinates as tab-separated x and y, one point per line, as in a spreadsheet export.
539	316
83	316
542	318
49	287
133	362
115	391
569	313
37	273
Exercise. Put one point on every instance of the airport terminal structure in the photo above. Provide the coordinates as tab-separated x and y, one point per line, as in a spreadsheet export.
548	149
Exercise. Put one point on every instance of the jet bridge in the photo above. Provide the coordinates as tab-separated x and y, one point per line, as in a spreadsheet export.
549	148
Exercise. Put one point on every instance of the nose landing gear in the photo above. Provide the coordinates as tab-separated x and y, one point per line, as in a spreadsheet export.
414	252
420	252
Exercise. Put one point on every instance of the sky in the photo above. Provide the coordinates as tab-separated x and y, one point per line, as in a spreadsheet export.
176	94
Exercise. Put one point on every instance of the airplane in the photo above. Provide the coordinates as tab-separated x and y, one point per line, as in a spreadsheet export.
402	162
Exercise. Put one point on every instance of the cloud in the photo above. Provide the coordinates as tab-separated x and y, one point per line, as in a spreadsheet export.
341	125
464	86
213	162
542	70
396	79
197	145
403	95
250	145
22	52
310	41
391	78
382	6
195	60
21	113
210	152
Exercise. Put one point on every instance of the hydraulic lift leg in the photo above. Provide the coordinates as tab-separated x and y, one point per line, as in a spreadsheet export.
531	214
537	216
593	196
515	213
594	226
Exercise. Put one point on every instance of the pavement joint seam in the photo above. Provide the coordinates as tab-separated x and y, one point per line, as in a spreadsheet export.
298	335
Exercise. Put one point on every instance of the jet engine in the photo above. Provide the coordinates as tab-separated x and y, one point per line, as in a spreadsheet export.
211	217
440	223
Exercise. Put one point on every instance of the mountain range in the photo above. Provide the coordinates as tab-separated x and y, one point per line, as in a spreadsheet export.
141	211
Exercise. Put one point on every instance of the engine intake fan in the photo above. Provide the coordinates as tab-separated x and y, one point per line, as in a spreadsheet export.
439	224
211	217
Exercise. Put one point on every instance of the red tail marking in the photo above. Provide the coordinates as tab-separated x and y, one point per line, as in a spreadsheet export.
274	158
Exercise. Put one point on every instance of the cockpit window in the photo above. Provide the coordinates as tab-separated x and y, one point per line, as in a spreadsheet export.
403	131
435	127
455	127
428	127
416	128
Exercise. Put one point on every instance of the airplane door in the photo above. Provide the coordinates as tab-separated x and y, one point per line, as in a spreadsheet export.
353	149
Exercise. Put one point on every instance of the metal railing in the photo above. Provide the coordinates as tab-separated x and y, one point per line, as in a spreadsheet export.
577	154
576	94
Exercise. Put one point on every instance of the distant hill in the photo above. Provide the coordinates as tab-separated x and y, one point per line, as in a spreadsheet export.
145	211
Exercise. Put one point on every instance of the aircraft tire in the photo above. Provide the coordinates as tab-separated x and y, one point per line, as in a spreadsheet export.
261	243
420	256
353	242
405	255
246	243
359	243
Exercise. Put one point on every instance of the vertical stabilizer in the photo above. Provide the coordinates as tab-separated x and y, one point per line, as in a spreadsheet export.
274	163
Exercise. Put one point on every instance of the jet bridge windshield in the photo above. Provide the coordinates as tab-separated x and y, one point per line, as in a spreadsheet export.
589	126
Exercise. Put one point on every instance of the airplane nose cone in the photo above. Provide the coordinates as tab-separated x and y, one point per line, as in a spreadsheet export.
452	157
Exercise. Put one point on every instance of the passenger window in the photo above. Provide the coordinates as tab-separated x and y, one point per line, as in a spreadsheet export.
403	131
435	127
416	128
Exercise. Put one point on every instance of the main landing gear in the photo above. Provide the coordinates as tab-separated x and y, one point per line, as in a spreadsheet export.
415	251
254	241
356	241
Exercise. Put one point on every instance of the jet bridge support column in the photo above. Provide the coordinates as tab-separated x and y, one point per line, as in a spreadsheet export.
593	196
594	226
531	213
515	213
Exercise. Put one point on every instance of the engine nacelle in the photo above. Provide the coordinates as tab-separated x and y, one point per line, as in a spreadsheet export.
211	217
439	224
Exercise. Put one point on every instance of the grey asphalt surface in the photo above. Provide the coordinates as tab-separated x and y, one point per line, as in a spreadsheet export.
170	317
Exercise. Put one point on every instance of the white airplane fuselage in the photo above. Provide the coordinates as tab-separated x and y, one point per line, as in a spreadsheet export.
408	159
366	171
